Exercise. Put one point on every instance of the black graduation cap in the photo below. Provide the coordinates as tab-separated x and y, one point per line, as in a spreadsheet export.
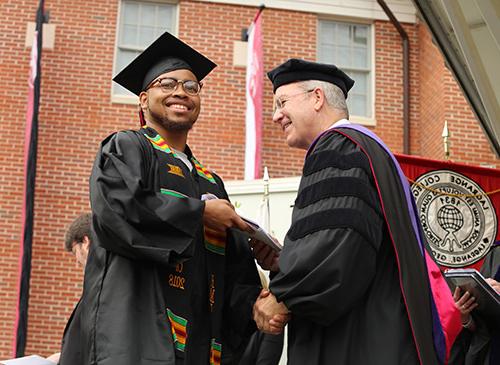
296	69
167	53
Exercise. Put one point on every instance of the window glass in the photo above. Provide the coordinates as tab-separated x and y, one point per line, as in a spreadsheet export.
347	45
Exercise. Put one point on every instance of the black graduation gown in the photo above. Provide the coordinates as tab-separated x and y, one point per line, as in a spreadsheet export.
153	277
263	349
338	271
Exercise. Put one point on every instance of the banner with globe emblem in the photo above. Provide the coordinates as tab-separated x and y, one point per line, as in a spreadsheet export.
458	208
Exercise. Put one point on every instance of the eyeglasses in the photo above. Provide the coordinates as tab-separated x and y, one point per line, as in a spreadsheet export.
169	85
280	103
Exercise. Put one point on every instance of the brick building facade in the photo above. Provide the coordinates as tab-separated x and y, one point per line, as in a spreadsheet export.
78	111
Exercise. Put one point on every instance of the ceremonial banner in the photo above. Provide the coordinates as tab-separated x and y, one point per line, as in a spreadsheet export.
254	92
30	154
458	205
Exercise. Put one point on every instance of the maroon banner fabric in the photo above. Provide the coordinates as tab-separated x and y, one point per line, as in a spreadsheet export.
30	156
458	207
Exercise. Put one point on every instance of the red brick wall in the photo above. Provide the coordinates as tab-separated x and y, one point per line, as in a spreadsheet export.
442	99
73	119
431	96
468	142
389	85
219	135
76	113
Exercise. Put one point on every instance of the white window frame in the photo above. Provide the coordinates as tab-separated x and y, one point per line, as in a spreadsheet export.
361	119
133	99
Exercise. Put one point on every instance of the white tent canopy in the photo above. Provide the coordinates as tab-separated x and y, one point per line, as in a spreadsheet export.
468	34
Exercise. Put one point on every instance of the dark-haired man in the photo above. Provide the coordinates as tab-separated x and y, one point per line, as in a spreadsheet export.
78	238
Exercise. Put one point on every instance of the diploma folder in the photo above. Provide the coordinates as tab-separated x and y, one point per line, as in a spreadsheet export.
262	235
259	233
487	298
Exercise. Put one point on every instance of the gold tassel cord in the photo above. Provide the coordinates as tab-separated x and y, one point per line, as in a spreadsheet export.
439	192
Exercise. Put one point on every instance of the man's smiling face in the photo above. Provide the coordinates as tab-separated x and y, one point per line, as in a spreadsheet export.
175	110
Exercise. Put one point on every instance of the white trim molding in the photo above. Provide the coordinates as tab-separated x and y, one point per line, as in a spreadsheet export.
403	10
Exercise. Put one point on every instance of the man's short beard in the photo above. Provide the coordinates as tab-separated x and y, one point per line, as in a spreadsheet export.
176	126
172	126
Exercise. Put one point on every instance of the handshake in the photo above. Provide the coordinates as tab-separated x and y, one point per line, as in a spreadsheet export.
270	316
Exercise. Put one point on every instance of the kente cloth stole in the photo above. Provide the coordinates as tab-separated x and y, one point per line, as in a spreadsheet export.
215	352
173	183
179	333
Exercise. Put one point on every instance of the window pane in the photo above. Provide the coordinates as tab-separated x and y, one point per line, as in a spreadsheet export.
120	90
360	91
360	82
360	35
148	14
343	34
356	105
347	45
129	35
327	54
360	57
146	35
343	57
160	31
165	14
130	13
165	17
326	32
123	58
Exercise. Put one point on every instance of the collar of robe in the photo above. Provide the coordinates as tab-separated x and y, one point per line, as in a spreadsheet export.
160	144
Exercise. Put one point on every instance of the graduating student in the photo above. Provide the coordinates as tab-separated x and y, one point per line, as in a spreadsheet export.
170	278
355	278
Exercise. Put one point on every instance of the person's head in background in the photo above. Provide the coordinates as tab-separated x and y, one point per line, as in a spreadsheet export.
78	238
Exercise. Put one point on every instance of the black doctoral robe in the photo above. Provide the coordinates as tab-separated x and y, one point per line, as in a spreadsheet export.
339	273
158	287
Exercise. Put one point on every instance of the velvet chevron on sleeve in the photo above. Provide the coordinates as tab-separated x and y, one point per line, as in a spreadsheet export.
331	237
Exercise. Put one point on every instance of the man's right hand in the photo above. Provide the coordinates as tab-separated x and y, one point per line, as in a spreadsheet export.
266	257
220	215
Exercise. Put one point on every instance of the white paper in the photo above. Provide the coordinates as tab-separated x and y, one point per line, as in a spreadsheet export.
28	360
